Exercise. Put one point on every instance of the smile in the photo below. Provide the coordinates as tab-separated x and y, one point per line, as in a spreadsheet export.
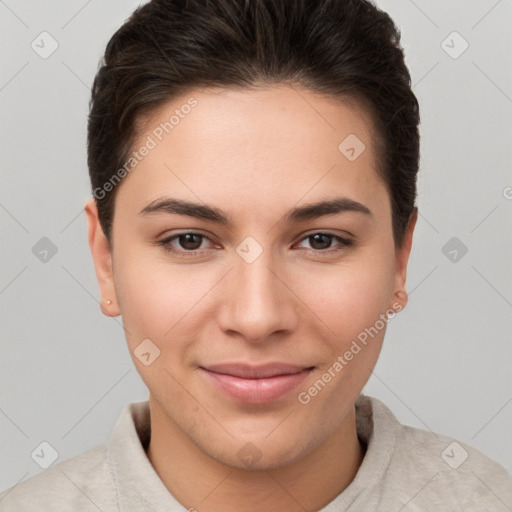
256	384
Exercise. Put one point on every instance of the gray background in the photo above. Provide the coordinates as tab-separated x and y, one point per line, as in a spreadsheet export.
446	364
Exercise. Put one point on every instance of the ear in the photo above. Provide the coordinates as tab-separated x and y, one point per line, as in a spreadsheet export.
102	257
402	259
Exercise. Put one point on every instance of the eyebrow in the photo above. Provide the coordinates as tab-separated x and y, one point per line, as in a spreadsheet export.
210	213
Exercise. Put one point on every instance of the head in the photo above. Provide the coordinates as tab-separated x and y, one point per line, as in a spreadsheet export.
255	111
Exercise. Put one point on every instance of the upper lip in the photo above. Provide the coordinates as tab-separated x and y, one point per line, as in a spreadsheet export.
256	372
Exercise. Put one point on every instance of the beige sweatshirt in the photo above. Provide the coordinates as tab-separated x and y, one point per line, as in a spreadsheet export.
404	469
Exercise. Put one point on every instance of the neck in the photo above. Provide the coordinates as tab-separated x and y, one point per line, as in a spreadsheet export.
200	482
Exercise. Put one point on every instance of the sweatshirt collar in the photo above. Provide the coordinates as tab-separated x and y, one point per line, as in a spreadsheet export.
139	488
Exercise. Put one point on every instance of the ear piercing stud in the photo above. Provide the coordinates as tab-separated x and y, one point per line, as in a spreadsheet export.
108	301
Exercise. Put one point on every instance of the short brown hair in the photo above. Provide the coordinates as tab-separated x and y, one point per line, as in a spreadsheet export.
342	48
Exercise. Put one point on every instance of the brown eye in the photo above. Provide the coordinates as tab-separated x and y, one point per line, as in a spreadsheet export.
187	244
190	241
323	242
320	241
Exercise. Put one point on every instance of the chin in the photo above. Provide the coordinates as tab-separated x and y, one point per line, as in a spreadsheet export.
260	454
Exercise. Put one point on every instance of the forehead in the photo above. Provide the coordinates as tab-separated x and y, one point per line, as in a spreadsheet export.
232	144
273	114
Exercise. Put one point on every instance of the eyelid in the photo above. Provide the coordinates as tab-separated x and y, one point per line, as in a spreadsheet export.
329	231
171	238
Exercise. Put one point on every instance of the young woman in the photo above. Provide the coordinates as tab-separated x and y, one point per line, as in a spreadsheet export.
253	167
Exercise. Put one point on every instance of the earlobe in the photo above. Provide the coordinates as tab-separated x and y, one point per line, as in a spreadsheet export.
401	300
102	258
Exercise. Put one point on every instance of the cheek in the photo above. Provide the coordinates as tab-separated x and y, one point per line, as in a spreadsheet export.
348	297
154	307
149	301
158	299
350	303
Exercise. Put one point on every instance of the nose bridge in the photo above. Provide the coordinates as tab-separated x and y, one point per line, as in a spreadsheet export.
256	281
257	302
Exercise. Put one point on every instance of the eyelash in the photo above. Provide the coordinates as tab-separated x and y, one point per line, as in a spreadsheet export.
166	243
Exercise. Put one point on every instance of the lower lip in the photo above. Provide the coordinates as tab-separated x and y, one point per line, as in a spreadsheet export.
257	391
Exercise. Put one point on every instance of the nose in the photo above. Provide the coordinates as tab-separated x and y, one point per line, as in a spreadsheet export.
258	304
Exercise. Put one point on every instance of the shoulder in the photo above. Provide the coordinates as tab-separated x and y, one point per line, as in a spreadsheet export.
417	469
440	470
84	482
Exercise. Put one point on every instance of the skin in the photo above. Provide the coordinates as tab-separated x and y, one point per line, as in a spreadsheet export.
254	154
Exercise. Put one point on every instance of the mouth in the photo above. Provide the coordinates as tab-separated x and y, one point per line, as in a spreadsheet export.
256	384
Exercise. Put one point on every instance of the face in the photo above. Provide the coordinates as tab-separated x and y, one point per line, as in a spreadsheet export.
263	315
